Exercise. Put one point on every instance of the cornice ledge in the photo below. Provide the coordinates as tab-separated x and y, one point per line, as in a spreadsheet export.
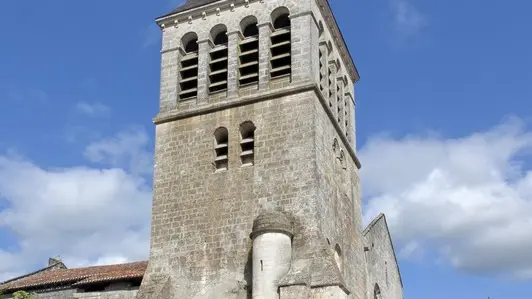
233	102
162	118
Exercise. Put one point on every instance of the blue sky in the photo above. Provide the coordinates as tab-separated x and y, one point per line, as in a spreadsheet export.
443	122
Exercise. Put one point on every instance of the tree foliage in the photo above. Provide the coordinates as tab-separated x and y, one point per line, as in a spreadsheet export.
22	295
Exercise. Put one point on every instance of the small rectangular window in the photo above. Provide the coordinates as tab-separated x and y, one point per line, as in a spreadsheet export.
247	143
221	149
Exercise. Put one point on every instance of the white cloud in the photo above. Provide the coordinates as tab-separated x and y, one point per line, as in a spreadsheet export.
126	149
469	199
88	216
93	109
408	19
152	36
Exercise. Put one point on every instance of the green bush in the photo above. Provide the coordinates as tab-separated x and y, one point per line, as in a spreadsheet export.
22	295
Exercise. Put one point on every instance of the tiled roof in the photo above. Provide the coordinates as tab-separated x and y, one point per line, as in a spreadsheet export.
77	277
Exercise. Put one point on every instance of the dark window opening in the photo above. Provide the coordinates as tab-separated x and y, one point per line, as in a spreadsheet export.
247	143
283	21
221	38
251	30
192	46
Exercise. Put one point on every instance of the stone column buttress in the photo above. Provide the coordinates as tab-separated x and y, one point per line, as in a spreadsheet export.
265	32
341	104
169	93
204	47
301	30
323	69
232	63
332	87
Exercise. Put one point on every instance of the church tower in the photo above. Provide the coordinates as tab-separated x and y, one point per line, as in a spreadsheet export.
256	179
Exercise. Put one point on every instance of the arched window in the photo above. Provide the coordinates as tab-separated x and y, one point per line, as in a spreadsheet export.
188	72
281	18
221	148
338	257
247	143
249	28
218	59
249	52
377	292
189	42
219	35
281	43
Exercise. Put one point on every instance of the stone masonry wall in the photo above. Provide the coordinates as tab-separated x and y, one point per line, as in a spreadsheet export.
382	269
340	200
202	219
119	294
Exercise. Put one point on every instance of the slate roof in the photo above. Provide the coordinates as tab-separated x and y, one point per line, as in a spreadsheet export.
190	4
77	277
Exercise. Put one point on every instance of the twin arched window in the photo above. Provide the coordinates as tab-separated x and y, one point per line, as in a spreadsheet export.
247	146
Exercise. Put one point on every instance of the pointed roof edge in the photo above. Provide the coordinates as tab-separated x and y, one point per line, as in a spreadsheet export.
42	278
190	4
34	272
368	229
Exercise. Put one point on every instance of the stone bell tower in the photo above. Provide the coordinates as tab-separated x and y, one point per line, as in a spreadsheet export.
256	179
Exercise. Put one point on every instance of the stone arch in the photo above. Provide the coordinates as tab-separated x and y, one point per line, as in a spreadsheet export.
189	42
218	34
248	26
281	18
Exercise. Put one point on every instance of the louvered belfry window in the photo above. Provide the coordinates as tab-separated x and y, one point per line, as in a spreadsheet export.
188	72
218	61
281	47
248	52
